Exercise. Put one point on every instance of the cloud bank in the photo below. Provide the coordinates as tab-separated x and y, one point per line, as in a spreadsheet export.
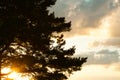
102	57
87	14
97	18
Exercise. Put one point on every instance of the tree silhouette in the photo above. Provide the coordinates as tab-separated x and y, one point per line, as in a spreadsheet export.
31	40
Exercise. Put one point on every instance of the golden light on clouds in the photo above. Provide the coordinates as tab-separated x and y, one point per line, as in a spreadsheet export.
96	34
116	1
84	43
103	30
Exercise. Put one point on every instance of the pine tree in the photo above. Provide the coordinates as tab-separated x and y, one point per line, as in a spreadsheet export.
31	41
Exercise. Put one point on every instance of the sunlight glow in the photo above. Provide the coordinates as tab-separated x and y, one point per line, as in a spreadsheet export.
14	75
97	35
116	1
5	70
103	31
81	43
17	76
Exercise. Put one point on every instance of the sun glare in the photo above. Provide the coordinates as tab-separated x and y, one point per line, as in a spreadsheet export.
13	75
6	70
17	76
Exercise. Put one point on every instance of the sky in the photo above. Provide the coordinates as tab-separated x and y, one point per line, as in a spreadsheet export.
95	34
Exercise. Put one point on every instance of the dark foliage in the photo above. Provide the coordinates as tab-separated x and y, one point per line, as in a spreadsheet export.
27	38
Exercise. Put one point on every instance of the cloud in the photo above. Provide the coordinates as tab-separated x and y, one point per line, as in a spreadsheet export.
93	11
85	14
113	42
89	14
89	11
115	23
64	7
102	57
86	17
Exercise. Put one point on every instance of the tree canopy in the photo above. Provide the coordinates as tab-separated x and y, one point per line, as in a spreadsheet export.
27	37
